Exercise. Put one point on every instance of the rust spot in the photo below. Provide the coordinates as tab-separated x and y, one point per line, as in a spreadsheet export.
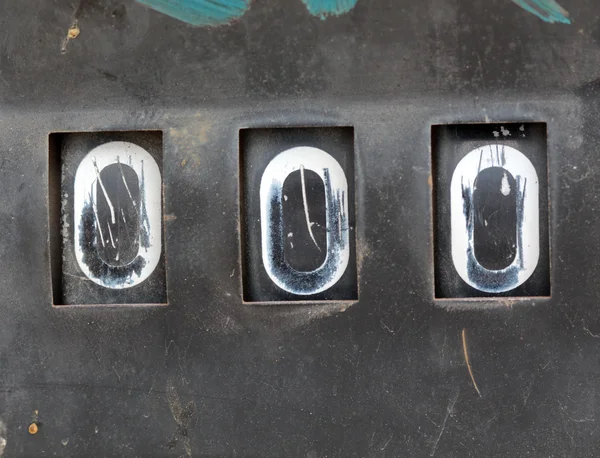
192	160
202	135
430	180
73	32
33	428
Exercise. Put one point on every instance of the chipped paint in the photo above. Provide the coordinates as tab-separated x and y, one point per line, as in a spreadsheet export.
201	12
547	10
504	186
182	417
324	8
72	33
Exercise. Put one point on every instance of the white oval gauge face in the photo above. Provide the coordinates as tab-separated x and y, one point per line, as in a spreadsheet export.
526	195
117	236
272	225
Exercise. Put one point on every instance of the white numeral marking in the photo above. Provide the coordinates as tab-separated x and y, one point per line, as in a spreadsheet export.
526	194
271	211
91	233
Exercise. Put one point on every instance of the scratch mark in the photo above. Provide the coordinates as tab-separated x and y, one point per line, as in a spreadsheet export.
305	201
182	417
153	381
575	420
112	241
597	336
125	183
449	410
547	10
108	201
466	353
434	423
487	423
386	327
387	443
77	276
98	224
115	371
529	389
167	347
480	67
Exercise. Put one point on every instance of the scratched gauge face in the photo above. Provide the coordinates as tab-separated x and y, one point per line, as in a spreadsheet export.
111	221
491	202
298	213
117	215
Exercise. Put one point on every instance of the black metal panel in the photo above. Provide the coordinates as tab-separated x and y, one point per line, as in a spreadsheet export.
210	375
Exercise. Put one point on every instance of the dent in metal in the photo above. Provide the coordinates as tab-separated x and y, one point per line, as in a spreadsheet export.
272	231
89	229
462	187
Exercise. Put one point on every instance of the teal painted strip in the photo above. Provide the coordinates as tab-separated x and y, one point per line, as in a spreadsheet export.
324	8
546	10
201	12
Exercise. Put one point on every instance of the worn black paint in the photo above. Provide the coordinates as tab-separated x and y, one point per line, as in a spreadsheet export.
99	268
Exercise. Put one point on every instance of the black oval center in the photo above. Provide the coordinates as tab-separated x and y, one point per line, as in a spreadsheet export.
301	252
495	218
117	221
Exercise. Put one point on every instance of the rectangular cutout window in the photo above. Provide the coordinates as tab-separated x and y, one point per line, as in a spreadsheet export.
490	194
298	214
106	218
